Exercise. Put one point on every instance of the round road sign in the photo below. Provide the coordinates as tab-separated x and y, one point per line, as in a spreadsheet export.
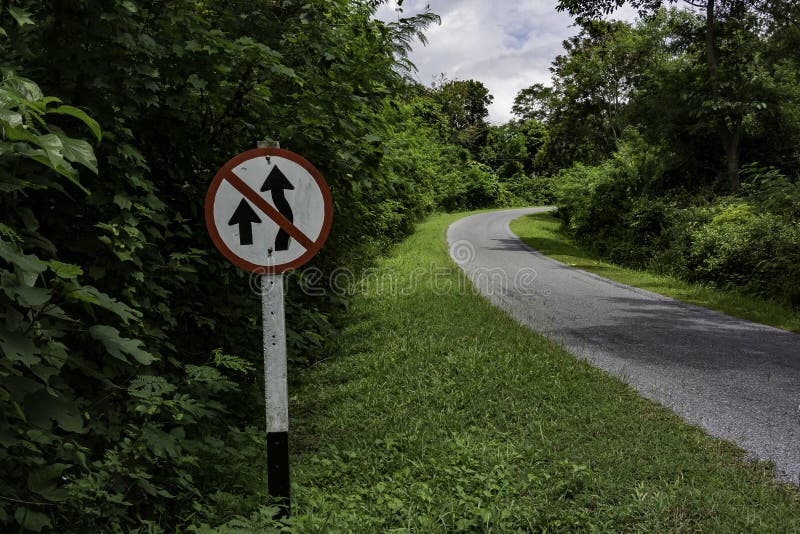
268	210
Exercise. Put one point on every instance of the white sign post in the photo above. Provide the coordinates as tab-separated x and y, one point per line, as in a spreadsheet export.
276	394
269	211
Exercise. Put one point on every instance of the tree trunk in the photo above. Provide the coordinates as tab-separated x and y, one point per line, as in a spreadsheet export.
732	154
731	137
711	54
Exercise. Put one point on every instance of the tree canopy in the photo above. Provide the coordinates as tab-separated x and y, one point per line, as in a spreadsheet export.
733	85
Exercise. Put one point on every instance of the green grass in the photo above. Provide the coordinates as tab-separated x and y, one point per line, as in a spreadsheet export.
442	414
543	232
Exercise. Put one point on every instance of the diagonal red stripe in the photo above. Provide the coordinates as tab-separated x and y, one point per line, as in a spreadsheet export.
268	210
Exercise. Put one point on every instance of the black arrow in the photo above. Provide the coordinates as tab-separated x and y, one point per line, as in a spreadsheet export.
245	217
276	183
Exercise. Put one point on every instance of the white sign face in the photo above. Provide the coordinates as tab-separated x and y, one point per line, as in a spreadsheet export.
268	210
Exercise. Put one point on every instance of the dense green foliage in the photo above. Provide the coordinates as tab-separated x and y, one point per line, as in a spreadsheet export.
418	152
750	242
129	378
672	142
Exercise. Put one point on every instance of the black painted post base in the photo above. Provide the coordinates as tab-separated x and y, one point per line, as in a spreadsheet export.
278	471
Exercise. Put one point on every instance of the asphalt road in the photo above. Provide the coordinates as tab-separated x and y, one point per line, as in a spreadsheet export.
738	380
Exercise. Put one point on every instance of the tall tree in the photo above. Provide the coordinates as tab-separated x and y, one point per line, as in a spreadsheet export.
727	22
534	102
464	106
593	82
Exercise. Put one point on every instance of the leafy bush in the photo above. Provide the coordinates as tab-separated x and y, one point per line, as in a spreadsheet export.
533	190
606	207
41	303
740	247
772	191
590	200
415	160
752	244
472	187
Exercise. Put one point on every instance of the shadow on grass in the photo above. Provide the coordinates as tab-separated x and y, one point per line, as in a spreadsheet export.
550	246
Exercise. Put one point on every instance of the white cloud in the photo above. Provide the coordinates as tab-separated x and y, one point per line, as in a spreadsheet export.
506	44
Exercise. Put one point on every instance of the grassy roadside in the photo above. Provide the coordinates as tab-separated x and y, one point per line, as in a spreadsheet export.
442	414
542	232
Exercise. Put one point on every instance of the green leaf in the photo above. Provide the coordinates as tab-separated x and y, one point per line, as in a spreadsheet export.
195	81
147	387
53	148
163	444
65	270
120	347
26	278
11	118
20	15
123	201
283	70
31	297
26	262
28	219
45	481
56	148
31	520
41	407
193	46
19	348
130	153
66	170
79	151
72	111
26	91
229	361
19	133
92	295
148	486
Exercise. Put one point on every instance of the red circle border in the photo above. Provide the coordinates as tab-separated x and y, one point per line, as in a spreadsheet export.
228	168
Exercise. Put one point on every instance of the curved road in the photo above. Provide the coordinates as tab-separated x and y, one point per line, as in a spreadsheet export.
738	380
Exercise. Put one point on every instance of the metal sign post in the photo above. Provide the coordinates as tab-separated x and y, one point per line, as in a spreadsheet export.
276	397
268	211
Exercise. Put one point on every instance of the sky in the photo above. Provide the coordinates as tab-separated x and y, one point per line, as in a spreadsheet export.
506	44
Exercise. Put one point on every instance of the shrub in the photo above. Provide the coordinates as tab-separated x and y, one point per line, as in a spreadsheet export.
752	244
592	202
740	247
771	190
474	187
531	190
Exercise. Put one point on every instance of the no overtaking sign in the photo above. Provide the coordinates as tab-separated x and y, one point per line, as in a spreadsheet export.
268	210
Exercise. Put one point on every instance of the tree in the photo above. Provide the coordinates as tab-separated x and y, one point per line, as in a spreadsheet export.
534	102
594	82
464	107
726	97
402	34
511	148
